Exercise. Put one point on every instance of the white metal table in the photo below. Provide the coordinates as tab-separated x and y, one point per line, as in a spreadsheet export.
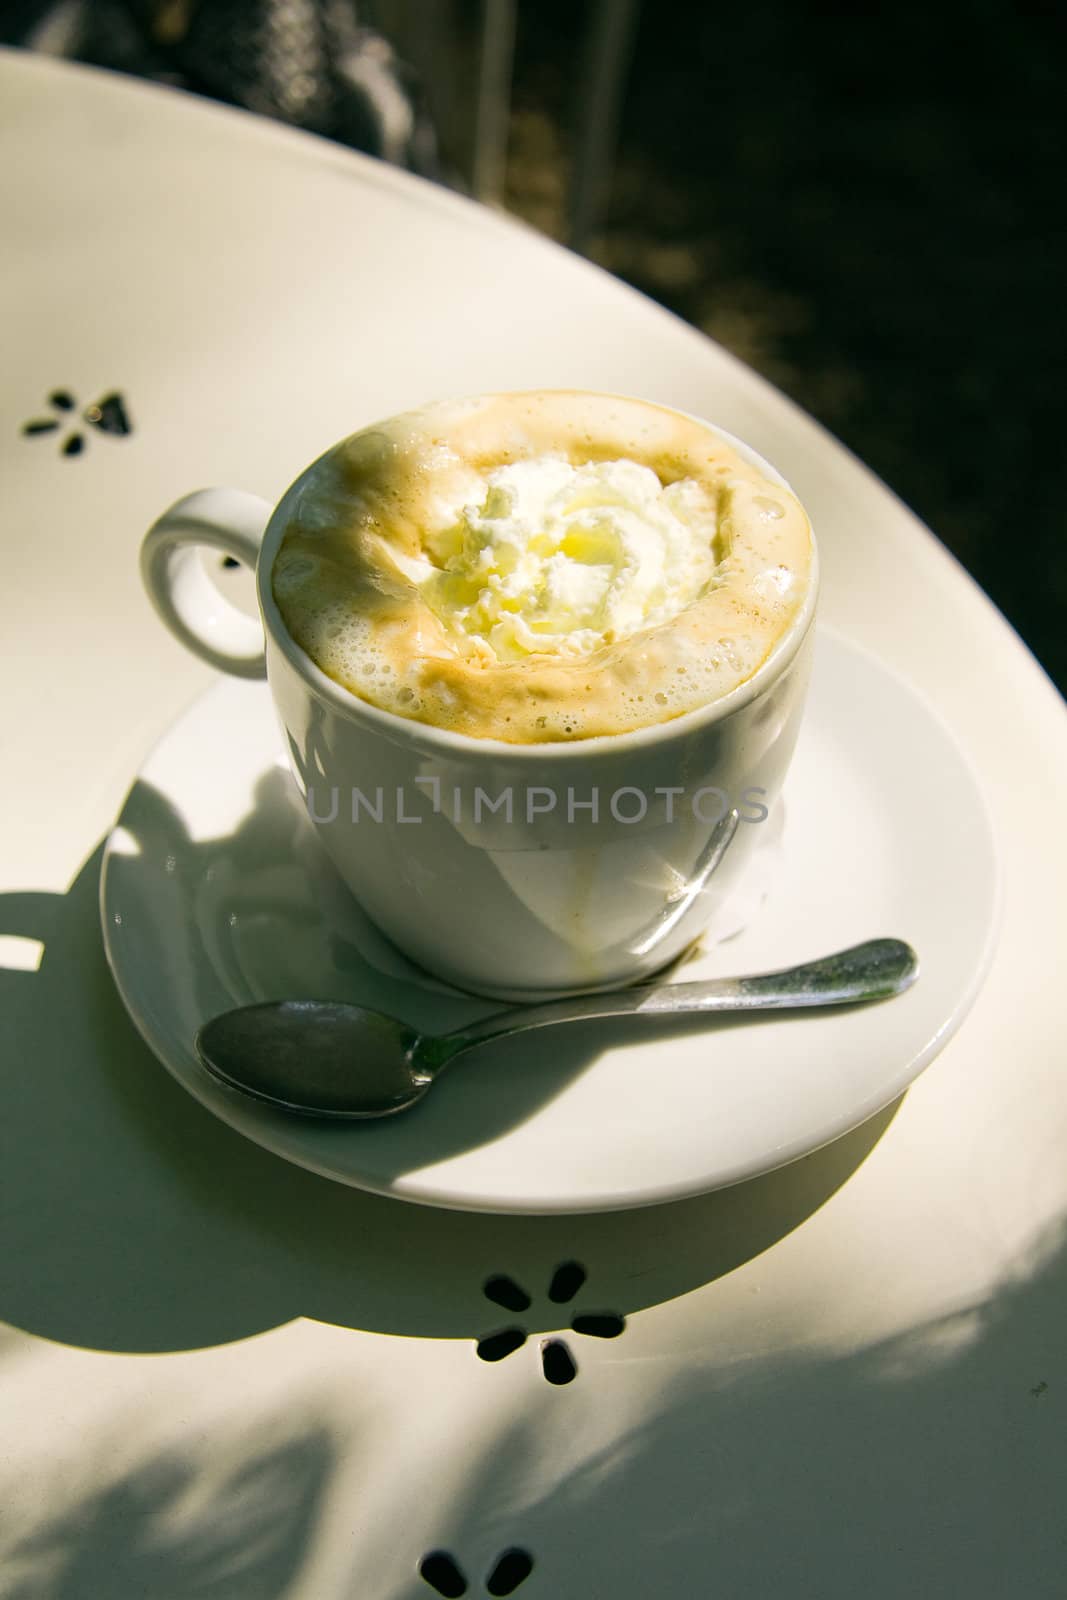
223	1376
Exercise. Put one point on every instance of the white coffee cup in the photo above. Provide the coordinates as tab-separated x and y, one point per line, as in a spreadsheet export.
513	870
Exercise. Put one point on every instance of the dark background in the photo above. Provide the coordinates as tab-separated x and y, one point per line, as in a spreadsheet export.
868	210
865	208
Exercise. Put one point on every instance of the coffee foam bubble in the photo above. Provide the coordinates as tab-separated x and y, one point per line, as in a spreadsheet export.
380	512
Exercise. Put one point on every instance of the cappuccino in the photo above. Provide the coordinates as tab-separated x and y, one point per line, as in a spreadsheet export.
542	566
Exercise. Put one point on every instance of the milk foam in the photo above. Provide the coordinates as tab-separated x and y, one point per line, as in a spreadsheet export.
540	566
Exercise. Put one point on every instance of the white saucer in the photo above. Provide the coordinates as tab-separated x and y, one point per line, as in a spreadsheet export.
215	893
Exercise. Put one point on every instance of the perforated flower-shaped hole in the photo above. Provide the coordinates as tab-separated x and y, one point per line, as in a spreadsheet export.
557	1360
107	415
444	1575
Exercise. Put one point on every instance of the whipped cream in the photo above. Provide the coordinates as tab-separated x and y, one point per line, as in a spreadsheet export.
565	559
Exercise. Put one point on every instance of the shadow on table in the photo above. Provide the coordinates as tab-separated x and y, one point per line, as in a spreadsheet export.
921	1464
235	1525
794	1472
136	1221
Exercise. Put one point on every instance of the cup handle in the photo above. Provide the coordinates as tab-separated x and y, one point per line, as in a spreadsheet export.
212	627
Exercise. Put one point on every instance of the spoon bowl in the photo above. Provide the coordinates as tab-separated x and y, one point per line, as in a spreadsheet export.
316	1057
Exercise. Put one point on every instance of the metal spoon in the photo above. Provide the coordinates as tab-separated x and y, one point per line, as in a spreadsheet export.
324	1058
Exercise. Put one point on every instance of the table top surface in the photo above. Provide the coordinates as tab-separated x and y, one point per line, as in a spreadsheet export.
223	1375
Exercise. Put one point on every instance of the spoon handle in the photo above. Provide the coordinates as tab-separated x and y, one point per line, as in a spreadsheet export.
871	971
